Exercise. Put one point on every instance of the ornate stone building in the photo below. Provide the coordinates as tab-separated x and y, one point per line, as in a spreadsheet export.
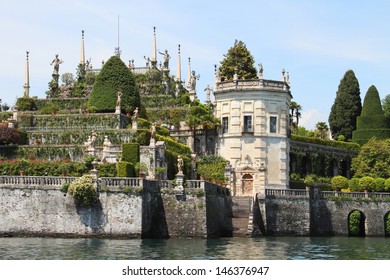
253	136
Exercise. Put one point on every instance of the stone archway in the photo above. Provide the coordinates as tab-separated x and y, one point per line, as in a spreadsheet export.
247	185
387	224
356	223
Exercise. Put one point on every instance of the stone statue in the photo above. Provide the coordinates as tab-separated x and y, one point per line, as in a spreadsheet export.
192	82
180	164
166	59
261	71
93	139
56	62
135	115
153	131
118	102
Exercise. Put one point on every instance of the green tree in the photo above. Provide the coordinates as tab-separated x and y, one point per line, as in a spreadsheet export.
114	77
371	122
238	57
386	106
201	116
373	159
346	107
295	114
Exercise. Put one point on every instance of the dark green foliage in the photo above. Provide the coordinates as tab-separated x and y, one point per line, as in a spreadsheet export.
107	170
346	107
130	152
355	223
387	224
41	168
50	108
26	104
373	159
9	135
114	77
171	159
126	169
372	121
238	57
142	136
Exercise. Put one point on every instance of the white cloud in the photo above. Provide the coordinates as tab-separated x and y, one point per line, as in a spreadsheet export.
311	117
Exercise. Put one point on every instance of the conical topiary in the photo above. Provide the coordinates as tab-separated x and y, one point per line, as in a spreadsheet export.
372	122
114	77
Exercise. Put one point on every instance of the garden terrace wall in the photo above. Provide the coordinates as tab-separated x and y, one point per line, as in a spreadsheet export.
127	207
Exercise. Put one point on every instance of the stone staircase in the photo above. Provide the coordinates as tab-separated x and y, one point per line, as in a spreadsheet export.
242	216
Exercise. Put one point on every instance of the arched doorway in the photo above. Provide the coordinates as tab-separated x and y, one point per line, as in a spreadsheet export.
247	185
356	223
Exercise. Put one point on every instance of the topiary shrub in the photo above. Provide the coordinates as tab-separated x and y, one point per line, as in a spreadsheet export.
379	184
339	182
367	183
50	108
372	121
126	169
130	152
354	184
115	76
387	185
83	190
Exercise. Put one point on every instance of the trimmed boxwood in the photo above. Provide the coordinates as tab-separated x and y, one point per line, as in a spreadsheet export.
126	169
115	76
130	152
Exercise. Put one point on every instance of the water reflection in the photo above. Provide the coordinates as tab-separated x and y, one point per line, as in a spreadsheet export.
271	248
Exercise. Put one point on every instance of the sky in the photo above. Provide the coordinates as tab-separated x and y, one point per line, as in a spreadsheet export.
315	41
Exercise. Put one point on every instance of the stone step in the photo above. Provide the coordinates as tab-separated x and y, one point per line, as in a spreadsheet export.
242	216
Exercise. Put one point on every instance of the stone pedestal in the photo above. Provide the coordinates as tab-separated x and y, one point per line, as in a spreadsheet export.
134	126
179	180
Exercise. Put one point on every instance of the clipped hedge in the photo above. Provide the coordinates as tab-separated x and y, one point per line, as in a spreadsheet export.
130	152
126	169
331	143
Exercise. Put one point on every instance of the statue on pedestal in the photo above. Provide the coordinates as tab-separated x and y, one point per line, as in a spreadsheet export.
192	82
166	59
118	102
56	62
180	165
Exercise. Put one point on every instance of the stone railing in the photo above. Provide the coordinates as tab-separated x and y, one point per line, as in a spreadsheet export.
252	85
117	182
286	193
34	181
355	195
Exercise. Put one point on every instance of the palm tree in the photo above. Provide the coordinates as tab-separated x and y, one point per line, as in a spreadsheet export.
322	129
295	109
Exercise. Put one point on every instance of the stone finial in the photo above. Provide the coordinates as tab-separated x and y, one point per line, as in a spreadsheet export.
26	85
82	51
178	74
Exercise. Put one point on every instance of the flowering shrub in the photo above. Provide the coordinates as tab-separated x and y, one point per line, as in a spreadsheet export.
8	135
83	190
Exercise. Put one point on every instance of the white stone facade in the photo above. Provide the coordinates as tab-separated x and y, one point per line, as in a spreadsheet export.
253	136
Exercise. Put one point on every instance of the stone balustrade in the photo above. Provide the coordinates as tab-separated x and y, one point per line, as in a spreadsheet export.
252	85
34	181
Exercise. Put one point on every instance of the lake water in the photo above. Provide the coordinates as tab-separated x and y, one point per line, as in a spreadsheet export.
264	248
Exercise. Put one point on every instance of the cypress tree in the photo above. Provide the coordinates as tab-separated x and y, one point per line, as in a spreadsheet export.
238	57
372	121
114	77
346	107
